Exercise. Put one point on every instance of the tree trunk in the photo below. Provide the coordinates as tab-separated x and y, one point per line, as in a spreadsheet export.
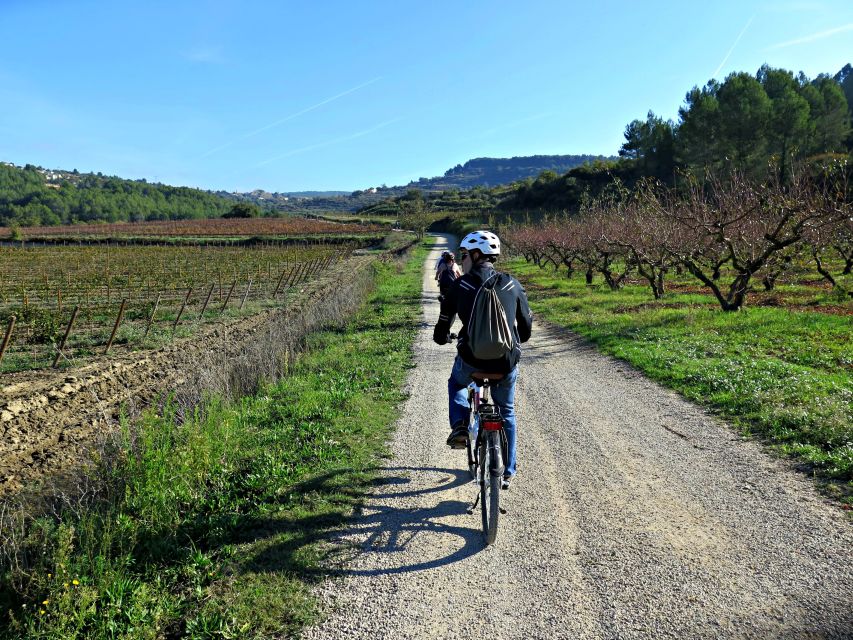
660	284
826	274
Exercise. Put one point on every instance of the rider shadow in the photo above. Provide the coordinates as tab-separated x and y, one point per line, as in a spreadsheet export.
376	528
389	532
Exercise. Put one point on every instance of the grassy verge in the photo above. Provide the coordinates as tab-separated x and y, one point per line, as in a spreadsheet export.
212	528
783	374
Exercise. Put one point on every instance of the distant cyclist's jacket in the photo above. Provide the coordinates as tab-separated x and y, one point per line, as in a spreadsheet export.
447	273
460	300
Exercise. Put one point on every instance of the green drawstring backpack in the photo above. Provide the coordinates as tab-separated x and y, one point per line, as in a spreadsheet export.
489	333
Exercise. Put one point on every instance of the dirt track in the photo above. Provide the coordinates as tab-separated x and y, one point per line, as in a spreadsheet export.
48	419
634	515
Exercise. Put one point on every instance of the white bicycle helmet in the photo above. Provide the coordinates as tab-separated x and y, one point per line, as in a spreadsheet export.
484	241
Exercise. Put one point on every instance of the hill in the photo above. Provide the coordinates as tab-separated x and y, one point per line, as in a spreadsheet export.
31	196
479	172
492	172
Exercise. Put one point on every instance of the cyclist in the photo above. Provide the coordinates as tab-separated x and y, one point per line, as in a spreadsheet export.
479	251
446	272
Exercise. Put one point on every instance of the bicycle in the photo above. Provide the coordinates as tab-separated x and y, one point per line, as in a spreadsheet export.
487	450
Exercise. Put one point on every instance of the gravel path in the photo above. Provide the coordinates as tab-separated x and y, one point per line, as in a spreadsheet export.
634	515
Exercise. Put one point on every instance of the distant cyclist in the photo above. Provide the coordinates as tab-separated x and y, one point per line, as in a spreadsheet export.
479	250
446	272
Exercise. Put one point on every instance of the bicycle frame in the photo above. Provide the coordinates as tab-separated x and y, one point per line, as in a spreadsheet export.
487	447
487	451
484	417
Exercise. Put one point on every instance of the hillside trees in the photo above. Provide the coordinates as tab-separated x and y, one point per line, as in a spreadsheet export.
651	144
414	213
28	199
830	110
243	210
743	123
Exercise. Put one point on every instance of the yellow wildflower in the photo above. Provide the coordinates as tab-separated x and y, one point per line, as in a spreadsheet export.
75	582
46	602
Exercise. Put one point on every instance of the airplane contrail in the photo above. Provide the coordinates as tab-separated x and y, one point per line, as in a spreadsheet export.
740	35
288	118
812	37
328	143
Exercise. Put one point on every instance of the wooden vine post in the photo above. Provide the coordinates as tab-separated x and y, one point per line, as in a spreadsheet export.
206	301
280	280
181	312
151	317
115	326
65	337
246	295
297	275
228	297
7	338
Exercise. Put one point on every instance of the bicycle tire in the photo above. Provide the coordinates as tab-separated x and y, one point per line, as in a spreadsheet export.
490	484
472	459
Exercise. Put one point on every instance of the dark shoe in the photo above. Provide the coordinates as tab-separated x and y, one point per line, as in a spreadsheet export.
458	437
506	482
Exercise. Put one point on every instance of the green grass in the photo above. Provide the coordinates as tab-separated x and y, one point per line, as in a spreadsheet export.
775	371
212	528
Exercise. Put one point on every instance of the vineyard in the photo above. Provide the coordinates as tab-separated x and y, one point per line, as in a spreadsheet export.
216	227
61	303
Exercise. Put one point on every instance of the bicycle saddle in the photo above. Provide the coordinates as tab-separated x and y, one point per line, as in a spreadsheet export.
479	376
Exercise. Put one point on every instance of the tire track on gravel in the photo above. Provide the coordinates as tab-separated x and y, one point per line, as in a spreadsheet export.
618	527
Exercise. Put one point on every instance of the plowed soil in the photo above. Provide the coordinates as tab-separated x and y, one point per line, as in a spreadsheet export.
48	419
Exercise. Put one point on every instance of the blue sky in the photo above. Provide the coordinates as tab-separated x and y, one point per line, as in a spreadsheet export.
289	96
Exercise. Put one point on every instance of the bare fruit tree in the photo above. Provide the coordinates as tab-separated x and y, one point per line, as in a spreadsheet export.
745	227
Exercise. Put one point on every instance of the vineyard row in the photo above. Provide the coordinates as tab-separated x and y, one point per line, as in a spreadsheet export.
47	324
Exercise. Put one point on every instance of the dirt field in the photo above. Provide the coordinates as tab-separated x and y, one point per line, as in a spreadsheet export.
49	418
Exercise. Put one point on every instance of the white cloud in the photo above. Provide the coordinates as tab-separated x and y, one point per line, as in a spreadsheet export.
206	55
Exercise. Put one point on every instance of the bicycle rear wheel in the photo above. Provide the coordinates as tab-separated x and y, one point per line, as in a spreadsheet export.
491	465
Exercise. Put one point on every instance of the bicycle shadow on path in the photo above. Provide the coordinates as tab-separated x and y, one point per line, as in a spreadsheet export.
385	532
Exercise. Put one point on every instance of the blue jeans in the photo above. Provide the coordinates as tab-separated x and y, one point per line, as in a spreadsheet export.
503	394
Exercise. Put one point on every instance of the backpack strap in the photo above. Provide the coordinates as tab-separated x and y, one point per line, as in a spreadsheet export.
495	274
